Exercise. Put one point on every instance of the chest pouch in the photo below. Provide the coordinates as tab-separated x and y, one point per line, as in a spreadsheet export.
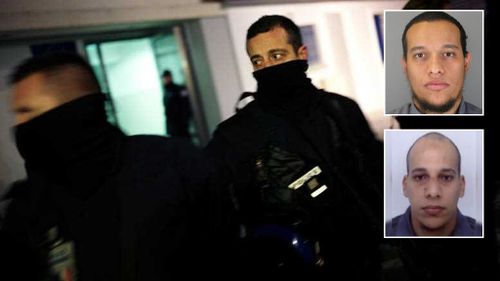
288	189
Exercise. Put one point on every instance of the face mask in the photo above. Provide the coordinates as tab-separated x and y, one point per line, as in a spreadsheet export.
47	138
282	78
31	140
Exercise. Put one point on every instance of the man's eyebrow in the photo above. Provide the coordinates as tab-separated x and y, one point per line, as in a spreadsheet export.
417	48
444	170
255	57
450	46
448	170
269	52
418	170
277	50
445	46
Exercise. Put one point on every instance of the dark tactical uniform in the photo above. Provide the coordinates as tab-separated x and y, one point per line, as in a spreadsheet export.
329	222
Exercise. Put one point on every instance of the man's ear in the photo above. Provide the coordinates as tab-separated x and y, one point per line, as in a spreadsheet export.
468	58
302	52
405	186
462	186
403	64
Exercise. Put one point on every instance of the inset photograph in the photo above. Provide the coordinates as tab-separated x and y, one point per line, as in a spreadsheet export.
433	183
434	62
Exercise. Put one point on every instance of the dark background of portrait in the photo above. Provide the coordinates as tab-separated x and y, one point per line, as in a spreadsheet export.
397	88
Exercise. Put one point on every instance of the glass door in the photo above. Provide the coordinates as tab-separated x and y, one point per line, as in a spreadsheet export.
130	72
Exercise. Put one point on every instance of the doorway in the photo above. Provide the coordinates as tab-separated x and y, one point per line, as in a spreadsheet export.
130	70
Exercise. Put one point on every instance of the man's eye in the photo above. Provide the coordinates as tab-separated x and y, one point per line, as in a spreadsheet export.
419	178
278	56
257	62
447	178
449	54
419	55
22	110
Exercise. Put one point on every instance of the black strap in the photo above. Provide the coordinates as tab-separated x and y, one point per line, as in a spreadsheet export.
337	117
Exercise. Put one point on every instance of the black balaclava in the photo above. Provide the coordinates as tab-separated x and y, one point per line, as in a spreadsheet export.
72	143
283	85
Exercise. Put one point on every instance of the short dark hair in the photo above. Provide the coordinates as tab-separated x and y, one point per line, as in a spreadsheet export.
51	62
435	16
267	23
434	136
426	4
166	73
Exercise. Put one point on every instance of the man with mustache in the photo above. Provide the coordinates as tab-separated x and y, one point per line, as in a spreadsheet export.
435	61
433	184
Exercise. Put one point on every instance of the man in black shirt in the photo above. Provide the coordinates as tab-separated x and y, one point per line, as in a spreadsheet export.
177	107
304	167
96	204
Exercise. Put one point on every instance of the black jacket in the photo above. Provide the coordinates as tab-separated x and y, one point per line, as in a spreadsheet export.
177	110
327	130
133	206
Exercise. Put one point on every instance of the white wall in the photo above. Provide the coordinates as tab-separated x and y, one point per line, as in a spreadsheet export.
222	63
351	64
11	163
41	14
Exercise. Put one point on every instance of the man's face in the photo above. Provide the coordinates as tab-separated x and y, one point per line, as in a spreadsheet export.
435	66
433	187
271	48
32	97
167	79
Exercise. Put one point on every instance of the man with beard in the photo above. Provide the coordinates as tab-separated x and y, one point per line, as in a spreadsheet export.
435	60
303	166
96	204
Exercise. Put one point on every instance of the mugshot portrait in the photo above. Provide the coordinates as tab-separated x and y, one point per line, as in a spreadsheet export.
428	184
440	73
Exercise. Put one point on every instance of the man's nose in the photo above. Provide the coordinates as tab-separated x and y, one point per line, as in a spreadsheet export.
268	62
436	65
433	189
265	63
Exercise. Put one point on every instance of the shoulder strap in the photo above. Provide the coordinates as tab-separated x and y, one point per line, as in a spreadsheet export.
361	186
